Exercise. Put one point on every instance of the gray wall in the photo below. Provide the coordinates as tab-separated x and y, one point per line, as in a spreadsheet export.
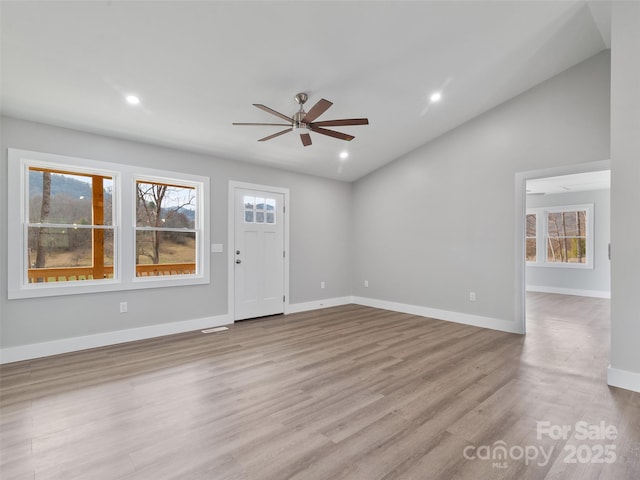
317	207
625	188
439	222
593	280
424	230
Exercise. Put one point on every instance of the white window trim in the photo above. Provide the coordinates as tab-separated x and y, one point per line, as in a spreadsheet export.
124	177
541	236
169	178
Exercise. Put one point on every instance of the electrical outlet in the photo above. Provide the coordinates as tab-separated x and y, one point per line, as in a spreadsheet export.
472	296
123	307
321	284
366	284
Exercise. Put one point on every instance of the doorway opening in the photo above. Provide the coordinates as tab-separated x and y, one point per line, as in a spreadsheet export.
563	239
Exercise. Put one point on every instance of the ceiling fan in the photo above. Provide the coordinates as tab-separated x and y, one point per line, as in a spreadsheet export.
303	122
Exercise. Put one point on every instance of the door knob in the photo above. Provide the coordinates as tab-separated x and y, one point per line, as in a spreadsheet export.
238	261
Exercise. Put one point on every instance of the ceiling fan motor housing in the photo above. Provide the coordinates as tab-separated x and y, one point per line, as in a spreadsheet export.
298	120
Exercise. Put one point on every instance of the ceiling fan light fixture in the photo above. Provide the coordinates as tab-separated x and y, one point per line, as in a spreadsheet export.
299	127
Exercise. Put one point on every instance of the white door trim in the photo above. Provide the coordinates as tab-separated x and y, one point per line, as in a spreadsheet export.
233	185
520	213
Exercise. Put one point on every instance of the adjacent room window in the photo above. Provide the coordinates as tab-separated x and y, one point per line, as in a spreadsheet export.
87	226
567	236
166	228
531	247
562	235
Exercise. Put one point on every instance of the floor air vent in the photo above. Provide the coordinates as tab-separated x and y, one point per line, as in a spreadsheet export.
216	329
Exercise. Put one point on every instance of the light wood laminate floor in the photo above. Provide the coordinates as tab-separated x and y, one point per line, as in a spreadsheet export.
349	392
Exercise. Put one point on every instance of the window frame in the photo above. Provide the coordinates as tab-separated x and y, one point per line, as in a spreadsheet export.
542	233
124	178
198	228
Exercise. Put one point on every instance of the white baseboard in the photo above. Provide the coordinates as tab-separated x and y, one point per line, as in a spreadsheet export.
623	379
65	345
457	317
316	304
570	291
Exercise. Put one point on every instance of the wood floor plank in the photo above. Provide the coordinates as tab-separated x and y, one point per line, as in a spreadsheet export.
348	392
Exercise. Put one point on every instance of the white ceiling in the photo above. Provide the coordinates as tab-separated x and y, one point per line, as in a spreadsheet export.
578	182
199	66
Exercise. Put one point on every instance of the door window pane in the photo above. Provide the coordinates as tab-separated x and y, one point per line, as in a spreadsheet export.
259	210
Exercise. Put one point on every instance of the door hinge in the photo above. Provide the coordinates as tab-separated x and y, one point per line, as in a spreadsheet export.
283	299
283	254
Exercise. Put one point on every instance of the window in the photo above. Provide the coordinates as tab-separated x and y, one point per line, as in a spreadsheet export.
259	210
563	235
166	233
87	226
531	247
70	228
567	237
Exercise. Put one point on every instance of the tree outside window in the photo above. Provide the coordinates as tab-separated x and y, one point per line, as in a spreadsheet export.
567	237
560	236
166	227
70	226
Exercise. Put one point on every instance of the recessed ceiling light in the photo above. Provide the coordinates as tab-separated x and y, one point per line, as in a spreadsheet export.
344	155
435	97
133	100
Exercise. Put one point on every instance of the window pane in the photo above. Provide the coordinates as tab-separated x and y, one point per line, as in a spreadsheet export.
531	250
249	202
168	206
567	224
65	254
70	198
248	216
260	205
567	250
271	209
161	247
531	225
554	224
259	217
271	204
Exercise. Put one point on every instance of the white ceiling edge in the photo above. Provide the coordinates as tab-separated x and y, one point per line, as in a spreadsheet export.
601	13
578	182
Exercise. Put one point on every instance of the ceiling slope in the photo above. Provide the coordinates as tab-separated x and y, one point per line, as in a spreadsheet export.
199	66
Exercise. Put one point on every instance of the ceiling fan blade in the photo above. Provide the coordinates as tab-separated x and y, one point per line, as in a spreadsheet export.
274	135
332	133
274	124
343	122
272	112
317	110
306	139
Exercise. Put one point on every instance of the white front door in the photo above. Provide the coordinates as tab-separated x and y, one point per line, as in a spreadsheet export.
258	253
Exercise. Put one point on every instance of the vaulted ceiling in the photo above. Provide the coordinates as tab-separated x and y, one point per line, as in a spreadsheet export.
199	66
